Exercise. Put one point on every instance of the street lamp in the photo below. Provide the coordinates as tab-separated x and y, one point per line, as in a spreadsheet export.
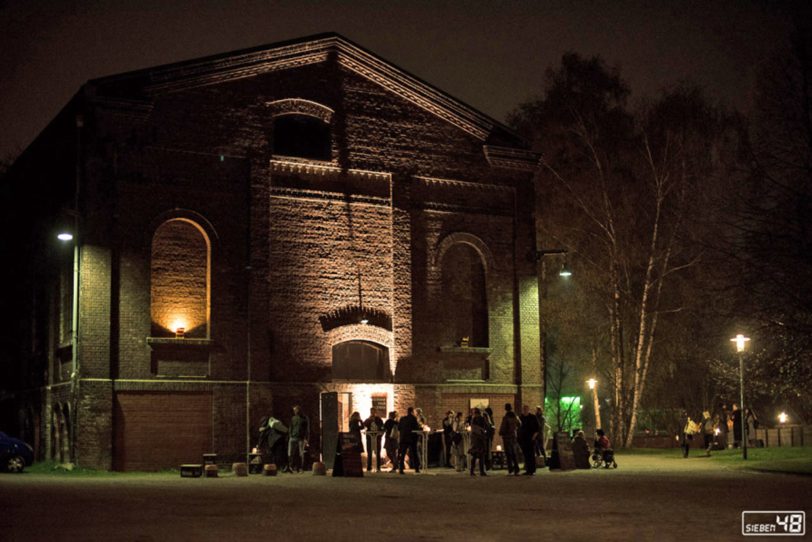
783	418
593	385
564	272
741	342
66	237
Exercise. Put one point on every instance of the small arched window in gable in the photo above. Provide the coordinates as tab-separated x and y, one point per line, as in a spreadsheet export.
179	279
301	136
361	361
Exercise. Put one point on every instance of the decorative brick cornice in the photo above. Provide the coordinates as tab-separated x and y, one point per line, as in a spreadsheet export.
463	184
294	165
299	106
510	158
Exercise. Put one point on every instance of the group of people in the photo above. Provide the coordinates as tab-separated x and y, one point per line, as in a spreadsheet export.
274	435
468	440
715	428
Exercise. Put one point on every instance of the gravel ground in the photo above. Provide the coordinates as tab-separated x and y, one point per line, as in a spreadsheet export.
647	498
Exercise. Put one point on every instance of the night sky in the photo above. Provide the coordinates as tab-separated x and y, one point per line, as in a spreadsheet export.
491	55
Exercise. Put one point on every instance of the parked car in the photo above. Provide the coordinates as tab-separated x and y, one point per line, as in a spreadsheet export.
15	454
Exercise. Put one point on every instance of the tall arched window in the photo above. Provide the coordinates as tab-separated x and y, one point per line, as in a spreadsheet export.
180	279
464	297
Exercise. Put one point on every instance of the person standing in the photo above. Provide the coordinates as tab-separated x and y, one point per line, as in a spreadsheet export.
528	433
736	416
272	437
448	433
298	437
723	430
490	430
408	441
707	426
458	442
356	425
540	442
479	441
751	421
374	426
508	430
390	428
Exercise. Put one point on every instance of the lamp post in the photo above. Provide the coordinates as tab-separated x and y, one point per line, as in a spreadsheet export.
593	385
67	237
565	272
741	342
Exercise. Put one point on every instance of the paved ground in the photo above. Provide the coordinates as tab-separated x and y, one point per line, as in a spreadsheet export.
647	498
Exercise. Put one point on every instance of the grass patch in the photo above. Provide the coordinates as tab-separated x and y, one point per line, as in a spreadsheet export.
791	460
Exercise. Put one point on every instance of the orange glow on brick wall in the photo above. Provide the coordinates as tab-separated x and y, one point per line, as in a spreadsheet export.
179	279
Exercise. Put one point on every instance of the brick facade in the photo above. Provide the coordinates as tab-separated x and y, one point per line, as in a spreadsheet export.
422	197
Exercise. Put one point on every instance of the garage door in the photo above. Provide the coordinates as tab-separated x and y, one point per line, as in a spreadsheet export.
156	431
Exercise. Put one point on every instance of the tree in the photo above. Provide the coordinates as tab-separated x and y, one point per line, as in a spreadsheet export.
620	189
768	242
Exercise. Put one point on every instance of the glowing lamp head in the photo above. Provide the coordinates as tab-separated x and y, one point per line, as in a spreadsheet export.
65	236
592	383
783	418
565	271
741	342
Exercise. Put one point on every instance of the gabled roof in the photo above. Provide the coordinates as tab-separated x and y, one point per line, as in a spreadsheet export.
299	52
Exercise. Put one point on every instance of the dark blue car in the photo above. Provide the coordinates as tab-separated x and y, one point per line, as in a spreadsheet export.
15	454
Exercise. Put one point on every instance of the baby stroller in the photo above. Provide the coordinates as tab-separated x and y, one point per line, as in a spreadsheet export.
603	458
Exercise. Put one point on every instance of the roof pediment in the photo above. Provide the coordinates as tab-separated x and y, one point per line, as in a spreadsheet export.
301	52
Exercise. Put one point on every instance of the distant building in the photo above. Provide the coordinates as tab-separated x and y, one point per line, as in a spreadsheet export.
255	229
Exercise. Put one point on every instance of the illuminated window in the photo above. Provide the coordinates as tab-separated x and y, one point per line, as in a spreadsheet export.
360	361
301	136
179	280
464	298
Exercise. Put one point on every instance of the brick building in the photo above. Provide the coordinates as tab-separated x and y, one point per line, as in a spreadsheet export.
254	229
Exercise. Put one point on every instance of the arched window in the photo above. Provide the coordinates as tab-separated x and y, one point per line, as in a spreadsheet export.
361	361
464	297
301	136
180	279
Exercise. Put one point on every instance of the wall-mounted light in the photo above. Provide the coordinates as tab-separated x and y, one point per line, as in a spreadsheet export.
783	418
180	332
65	236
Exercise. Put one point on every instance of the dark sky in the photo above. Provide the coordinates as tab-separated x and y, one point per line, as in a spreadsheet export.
491	55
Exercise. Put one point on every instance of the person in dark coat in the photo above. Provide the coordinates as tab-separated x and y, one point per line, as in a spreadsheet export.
408	441
737	426
298	435
528	433
479	441
390	429
273	441
356	425
374	426
508	431
448	433
490	430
